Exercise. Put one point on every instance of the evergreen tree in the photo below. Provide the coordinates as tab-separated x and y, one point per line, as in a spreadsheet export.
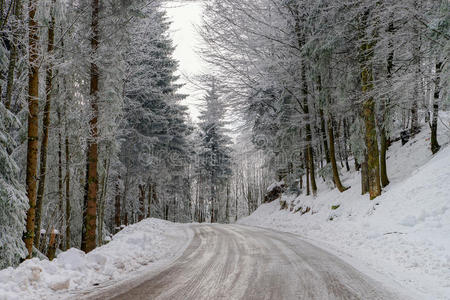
155	148
13	200
215	152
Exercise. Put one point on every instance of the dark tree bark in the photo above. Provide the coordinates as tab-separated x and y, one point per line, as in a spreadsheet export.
384	112
124	199
364	177
373	170
166	211
322	128
437	90
301	182
33	124
414	118
337	126
336	178
150	197
383	150
417	70
52	245
60	213
310	150
141	202
91	189
346	151
236	202
308	192
227	213
117	219
126	218
373	164
102	200
68	206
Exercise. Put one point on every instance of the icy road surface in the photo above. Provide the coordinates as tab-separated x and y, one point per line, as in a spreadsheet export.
239	262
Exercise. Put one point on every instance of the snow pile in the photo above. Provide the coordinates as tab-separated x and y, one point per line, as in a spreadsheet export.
132	248
403	234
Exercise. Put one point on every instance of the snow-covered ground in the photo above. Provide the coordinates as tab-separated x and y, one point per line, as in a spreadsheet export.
404	235
136	247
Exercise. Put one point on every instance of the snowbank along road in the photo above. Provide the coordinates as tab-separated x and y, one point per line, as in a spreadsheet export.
239	262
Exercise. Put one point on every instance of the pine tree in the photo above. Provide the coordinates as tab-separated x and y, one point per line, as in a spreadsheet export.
13	200
215	151
155	148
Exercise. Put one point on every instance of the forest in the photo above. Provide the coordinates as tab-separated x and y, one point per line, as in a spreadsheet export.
96	135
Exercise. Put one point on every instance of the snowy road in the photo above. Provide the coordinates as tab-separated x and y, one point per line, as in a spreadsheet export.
239	262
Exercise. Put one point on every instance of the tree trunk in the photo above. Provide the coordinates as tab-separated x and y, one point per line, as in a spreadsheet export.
102	202
364	177
301	182
212	202
175	208
321	152
197	199
33	125
52	245
68	206
46	127
200	210
91	188
227	213
124	199
384	108
117	206
417	78
437	89
310	151
414	117
383	149
126	218
307	173
250	199
373	168
336	177
212	211
236	193
150	196
324	136
60	213
166	211
346	151
337	139
141	202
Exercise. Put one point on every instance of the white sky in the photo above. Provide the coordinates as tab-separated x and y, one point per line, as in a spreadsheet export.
184	17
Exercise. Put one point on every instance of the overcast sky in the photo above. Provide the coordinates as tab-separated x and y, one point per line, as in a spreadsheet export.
184	17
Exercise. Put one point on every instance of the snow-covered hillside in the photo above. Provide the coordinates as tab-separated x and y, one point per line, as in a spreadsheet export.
404	235
133	248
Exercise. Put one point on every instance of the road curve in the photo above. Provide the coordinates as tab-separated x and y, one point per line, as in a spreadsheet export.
239	262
